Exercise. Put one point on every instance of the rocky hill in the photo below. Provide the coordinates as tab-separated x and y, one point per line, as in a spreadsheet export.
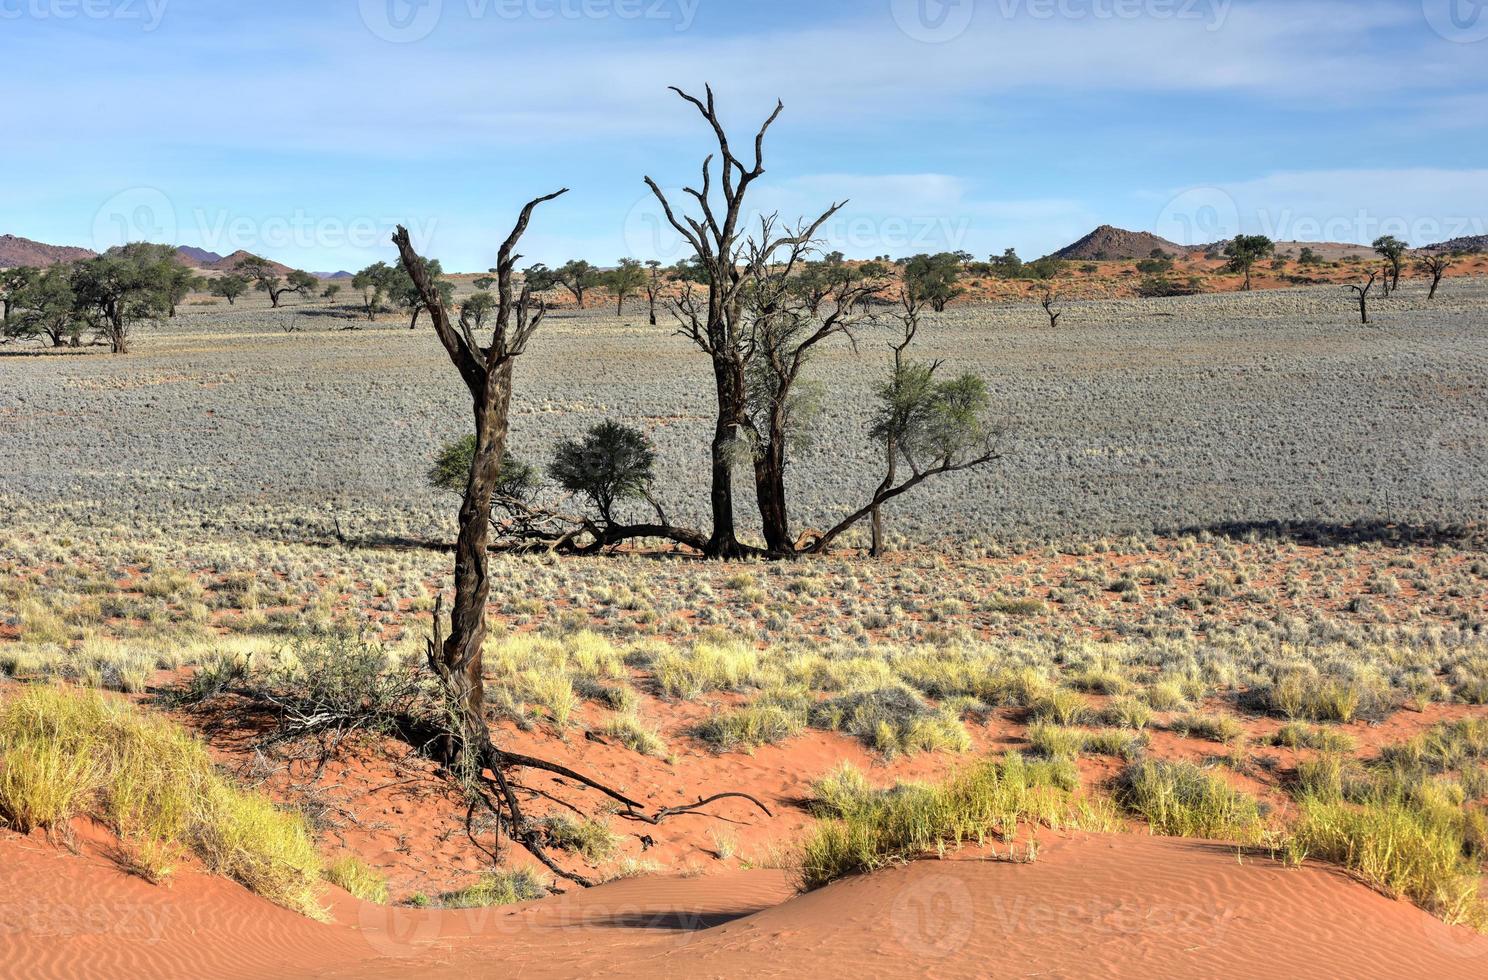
1110	243
1470	243
16	251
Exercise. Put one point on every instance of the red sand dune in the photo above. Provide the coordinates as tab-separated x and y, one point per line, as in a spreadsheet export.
1125	905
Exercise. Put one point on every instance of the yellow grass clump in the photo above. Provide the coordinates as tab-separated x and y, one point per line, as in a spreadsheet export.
66	754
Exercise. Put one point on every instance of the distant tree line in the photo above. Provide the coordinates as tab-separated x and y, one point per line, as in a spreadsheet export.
106	298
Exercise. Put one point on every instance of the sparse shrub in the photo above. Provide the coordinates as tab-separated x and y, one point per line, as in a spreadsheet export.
591	839
1061	706
869	830
1296	735
892	720
1215	728
706	666
1179	799
761	723
1056	741
498	888
634	734
1127	712
65	754
1408	851
351	874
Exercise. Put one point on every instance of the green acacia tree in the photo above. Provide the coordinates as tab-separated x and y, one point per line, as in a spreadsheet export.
47	307
124	287
12	283
229	287
578	277
183	282
612	462
369	285
266	278
935	278
627	278
929	425
1245	251
400	290
1393	250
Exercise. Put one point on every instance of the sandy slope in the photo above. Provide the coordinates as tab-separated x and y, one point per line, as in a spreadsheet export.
1124	905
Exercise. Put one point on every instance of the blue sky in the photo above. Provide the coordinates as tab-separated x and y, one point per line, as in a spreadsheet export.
304	130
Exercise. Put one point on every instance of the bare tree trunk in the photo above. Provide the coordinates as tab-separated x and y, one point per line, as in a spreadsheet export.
724	542
769	491
462	648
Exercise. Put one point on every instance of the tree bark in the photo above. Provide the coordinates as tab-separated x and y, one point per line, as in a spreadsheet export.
729	383
462	648
769	489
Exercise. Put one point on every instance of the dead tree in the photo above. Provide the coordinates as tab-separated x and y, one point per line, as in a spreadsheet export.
1051	297
1434	265
1363	293
656	278
785	322
716	237
456	658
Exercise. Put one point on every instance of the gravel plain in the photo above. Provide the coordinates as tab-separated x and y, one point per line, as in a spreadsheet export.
1135	416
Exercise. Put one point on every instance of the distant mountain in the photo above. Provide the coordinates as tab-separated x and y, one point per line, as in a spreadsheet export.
332	275
198	257
230	263
23	251
1117	244
1470	243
